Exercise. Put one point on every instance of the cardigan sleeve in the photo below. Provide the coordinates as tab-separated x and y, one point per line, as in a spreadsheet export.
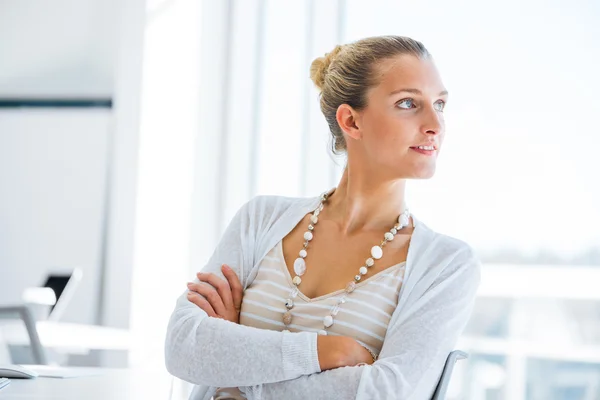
413	353
211	351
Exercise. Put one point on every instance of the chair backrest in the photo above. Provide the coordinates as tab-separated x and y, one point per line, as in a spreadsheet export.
24	313
64	283
442	387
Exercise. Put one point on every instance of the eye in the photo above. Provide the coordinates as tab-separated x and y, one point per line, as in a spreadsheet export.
440	105
409	102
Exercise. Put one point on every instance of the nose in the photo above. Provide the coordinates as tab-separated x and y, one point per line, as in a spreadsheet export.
433	122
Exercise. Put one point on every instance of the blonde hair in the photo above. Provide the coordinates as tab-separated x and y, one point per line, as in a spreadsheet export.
344	75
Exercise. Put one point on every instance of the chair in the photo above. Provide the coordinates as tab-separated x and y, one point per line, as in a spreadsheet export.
23	313
442	387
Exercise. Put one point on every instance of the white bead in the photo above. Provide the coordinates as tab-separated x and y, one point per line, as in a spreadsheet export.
289	304
299	266
297	280
335	310
363	270
350	287
341	300
389	236
314	219
322	332
294	293
376	252
317	211
393	231
403	220
328	321
370	262
303	253
308	235
357	278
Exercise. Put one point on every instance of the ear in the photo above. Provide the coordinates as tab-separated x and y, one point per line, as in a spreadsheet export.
349	119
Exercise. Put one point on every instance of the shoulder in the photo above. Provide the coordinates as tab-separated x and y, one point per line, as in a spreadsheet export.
447	254
273	202
265	208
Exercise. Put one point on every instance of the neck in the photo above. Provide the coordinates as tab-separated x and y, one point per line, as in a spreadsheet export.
361	202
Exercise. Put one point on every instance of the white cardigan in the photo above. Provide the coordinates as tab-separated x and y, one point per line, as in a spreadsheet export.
435	302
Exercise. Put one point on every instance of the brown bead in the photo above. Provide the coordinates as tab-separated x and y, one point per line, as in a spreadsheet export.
287	318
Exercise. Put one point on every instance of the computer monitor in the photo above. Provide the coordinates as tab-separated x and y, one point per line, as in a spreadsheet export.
64	283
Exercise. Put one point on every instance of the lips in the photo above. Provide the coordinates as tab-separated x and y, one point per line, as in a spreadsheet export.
424	152
426	145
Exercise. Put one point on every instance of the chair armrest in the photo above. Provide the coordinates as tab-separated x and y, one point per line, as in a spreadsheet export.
24	313
442	387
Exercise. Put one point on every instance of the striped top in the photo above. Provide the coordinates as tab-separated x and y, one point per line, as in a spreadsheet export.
364	316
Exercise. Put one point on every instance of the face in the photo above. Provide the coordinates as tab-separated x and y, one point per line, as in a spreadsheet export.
404	111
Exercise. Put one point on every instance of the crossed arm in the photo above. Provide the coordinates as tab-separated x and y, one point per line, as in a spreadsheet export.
215	351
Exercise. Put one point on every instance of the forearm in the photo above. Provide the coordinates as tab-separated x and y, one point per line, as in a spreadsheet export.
215	352
339	383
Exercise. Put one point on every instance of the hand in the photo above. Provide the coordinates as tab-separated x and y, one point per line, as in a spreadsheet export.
219	298
341	351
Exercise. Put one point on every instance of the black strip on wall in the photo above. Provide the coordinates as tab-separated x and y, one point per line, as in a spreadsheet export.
56	103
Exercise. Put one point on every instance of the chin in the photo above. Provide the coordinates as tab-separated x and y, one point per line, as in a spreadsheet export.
424	173
411	171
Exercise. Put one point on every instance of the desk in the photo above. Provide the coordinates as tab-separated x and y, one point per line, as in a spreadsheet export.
110	384
67	336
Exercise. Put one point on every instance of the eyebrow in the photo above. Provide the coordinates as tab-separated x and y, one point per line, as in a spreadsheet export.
415	91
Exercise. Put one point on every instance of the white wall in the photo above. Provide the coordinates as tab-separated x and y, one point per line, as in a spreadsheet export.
59	47
52	187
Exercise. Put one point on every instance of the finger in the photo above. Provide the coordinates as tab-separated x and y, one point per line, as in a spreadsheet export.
236	286
221	285
210	294
202	303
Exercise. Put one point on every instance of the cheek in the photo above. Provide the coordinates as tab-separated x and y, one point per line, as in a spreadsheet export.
398	132
389	132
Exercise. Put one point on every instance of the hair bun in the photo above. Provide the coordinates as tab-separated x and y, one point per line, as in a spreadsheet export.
320	66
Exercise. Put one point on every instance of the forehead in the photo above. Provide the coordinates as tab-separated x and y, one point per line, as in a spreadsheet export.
407	71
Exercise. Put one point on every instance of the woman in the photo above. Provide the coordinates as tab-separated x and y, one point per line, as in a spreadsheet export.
345	295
